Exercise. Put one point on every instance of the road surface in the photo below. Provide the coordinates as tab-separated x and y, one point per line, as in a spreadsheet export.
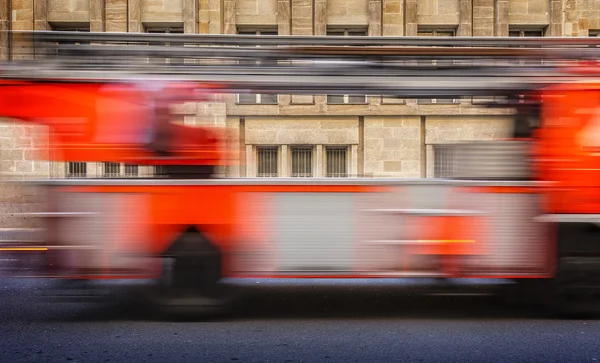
332	321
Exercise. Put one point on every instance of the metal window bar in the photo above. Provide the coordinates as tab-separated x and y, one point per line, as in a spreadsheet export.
267	162
302	162
130	170
337	162
76	170
443	161
111	170
159	171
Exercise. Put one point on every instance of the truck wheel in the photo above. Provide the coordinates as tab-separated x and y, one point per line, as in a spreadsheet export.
574	293
192	283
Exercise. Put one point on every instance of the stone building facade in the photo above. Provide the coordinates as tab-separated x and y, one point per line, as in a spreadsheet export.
306	136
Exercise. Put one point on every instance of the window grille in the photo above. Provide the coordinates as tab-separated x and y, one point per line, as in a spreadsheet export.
76	170
117	170
443	161
130	170
267	160
302	162
112	170
526	33
159	171
337	164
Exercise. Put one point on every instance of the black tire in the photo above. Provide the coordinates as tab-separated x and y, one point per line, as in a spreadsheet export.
192	283
573	293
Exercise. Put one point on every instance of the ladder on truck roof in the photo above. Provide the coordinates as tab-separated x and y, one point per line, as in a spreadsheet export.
406	67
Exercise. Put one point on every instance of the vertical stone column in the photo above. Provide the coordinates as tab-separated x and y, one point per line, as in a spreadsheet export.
465	26
302	17
116	16
21	19
556	16
284	20
284	165
374	16
411	26
229	26
97	15
483	18
302	24
190	16
392	25
501	20
353	160
134	16
40	15
320	21
392	22
203	16
320	28
209	17
284	27
4	26
319	166
250	164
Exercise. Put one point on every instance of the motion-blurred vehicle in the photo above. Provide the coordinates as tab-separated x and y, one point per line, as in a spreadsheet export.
525	208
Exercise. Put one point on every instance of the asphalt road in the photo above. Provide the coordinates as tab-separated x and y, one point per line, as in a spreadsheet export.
288	321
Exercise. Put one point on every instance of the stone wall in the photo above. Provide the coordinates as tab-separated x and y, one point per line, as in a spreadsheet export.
581	16
384	141
256	12
438	12
162	11
392	146
347	12
77	11
528	12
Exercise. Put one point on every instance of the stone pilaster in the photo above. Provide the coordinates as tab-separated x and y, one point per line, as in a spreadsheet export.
40	14
302	24
203	16
284	27
97	15
393	18
483	18
411	26
465	25
501	20
134	18
302	17
21	19
556	16
116	16
374	16
190	17
4	26
229	26
320	20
